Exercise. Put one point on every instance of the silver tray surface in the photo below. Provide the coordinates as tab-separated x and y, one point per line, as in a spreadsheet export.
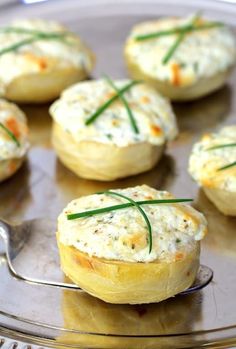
53	317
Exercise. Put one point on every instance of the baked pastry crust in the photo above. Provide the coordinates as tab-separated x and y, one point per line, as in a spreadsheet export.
104	162
193	71
108	256
9	167
89	152
127	282
224	200
222	238
39	71
44	86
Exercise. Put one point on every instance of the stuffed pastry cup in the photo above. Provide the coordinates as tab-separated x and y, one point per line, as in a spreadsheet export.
48	59
199	65
109	147
13	139
109	255
213	166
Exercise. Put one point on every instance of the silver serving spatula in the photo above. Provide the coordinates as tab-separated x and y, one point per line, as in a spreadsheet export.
30	250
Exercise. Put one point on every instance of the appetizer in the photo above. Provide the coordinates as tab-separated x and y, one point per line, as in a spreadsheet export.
135	245
184	58
213	166
38	59
107	129
13	138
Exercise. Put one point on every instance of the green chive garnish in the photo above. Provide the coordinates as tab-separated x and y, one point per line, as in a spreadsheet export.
177	30
131	203
17	45
127	107
10	134
173	48
222	146
227	166
32	32
35	36
178	41
104	106
98	211
145	217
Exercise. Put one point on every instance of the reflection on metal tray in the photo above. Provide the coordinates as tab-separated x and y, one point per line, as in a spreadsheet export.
52	317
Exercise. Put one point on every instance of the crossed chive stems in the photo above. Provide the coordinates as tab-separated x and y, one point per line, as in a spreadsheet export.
131	203
10	134
34	35
178	41
220	146
181	31
119	95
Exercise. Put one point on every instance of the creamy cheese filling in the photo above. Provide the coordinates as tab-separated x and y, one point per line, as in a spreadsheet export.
40	55
201	54
122	234
152	112
12	118
204	164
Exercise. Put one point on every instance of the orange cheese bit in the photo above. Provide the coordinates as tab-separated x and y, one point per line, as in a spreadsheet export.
13	125
145	100
148	197
41	62
179	256
106	97
176	75
110	95
207	182
115	122
155	130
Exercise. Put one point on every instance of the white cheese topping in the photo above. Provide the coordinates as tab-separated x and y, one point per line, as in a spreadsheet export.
204	164
152	112
14	120
40	55
123	235
201	54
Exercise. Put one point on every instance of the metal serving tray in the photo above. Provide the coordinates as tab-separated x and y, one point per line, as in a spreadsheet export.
53	317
